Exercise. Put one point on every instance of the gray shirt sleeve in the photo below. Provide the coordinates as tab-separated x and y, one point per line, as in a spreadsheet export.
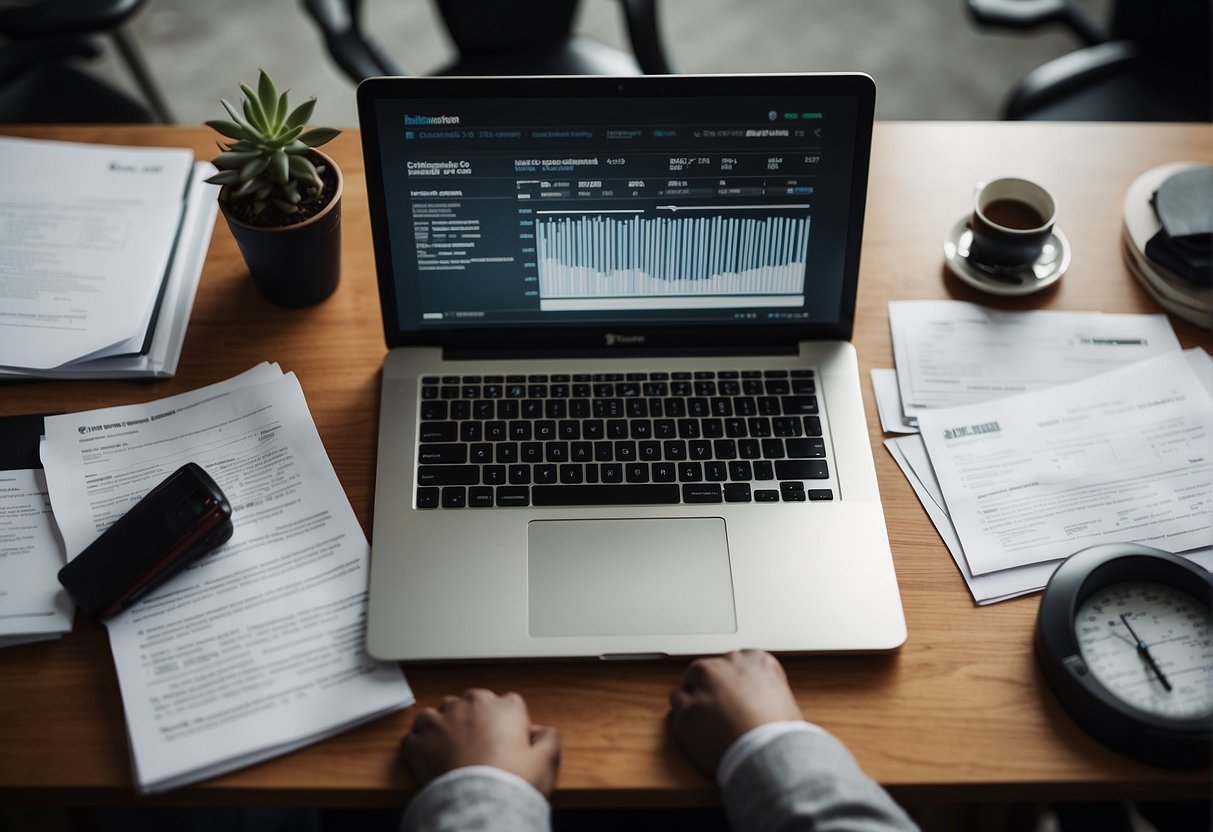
465	800
807	780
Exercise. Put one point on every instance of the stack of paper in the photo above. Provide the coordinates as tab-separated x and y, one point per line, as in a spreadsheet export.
33	606
1043	433
103	249
257	648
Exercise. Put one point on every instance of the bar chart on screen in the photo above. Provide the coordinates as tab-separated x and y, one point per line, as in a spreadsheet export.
634	259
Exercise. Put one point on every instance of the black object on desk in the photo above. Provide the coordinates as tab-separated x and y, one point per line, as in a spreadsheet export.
178	521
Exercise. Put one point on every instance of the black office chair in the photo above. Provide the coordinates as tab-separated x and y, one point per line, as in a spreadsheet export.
506	37
41	77
1151	63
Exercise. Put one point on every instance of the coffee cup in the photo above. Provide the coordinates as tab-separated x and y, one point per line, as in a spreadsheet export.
1011	223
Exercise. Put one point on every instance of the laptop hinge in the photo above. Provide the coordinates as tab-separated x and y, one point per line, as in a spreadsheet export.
477	354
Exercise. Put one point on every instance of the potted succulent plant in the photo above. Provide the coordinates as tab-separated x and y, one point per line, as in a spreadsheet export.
281	197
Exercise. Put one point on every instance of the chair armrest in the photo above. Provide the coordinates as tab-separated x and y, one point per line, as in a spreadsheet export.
645	36
1068	73
18	58
358	56
1031	14
62	18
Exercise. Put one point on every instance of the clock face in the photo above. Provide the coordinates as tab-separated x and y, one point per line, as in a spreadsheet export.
1151	646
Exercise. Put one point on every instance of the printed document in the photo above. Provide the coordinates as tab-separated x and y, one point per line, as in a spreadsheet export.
1126	455
951	353
87	234
33	606
257	648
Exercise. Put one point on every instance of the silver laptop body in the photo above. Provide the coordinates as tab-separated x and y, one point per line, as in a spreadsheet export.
620	414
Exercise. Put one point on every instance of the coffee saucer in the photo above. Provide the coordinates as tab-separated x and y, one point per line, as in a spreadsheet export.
1049	267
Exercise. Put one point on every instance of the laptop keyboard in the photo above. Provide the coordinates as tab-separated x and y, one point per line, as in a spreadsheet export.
607	439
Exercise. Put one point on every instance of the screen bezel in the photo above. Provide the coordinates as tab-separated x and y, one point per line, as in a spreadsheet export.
577	336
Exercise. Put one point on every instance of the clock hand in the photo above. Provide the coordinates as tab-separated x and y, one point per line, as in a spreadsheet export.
1144	649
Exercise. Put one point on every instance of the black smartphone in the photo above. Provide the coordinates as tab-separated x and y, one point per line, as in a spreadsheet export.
179	520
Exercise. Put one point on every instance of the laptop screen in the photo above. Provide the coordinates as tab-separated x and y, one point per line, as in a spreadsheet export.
649	209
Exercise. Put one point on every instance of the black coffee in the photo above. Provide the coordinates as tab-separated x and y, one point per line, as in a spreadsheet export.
1011	213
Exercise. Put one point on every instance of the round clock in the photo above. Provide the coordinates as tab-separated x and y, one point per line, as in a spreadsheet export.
1124	637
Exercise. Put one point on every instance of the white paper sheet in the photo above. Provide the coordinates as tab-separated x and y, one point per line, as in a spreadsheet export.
257	648
181	286
911	456
888	402
1124	455
952	353
87	232
33	605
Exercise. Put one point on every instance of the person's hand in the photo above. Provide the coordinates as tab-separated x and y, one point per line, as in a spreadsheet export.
723	697
482	728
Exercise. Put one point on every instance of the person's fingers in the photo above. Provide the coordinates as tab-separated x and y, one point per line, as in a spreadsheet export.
482	695
546	738
696	674
680	700
448	702
425	720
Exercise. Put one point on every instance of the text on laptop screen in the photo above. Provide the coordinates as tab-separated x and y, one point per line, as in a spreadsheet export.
579	211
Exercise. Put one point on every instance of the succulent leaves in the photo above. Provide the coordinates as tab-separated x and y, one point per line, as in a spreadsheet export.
265	160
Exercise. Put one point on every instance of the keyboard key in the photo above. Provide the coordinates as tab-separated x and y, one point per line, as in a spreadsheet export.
802	469
772	449
544	474
611	472
766	496
741	471
571	474
509	495
708	492
785	426
448	474
439	431
519	474
605	495
664	472
480	496
530	452
505	452
715	471
444	453
433	411
791	485
690	472
493	474
556	451
812	426
799	405
481	453
737	492
454	496
764	469
818	494
636	472
806	448
427	497
793	496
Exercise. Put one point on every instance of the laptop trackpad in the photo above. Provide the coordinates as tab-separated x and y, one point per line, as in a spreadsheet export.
659	576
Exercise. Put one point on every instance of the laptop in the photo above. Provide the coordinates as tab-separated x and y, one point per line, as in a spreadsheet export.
620	413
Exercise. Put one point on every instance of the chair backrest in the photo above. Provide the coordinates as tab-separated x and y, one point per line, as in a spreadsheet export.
1175	31
486	28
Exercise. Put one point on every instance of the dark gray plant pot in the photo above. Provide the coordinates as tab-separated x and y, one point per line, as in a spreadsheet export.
294	265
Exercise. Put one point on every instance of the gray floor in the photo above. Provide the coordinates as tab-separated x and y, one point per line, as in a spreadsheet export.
928	60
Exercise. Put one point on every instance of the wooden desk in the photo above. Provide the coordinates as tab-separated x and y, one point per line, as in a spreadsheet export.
958	714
